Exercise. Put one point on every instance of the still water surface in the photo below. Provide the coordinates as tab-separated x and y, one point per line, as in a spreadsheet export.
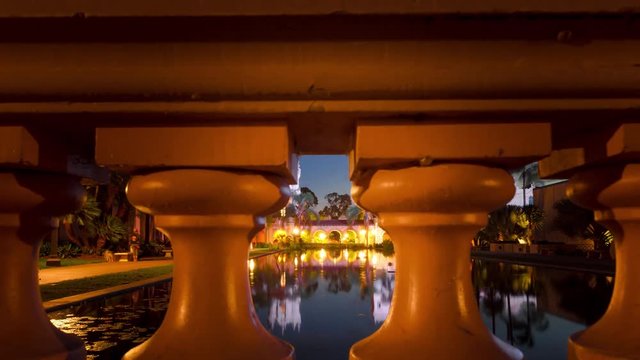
324	301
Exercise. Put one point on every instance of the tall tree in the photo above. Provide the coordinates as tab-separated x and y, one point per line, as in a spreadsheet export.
337	205
510	223
104	219
302	207
305	190
355	213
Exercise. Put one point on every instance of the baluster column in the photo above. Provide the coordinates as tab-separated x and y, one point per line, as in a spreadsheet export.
614	193
418	178
432	213
210	216
28	201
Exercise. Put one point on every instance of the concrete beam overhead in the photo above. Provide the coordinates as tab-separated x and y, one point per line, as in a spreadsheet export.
265	148
34	8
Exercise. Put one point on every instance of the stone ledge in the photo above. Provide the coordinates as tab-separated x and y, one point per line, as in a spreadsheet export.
65	302
604	267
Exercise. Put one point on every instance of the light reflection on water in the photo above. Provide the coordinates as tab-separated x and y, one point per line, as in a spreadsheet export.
324	301
537	308
110	327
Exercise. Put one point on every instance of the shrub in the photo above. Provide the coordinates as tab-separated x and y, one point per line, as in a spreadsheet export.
151	249
45	249
69	251
64	251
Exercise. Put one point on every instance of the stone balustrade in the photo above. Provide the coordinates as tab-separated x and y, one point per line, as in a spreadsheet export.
430	205
208	107
211	216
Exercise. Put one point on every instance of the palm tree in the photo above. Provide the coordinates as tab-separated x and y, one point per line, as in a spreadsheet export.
103	218
511	223
80	226
533	221
303	204
503	222
575	221
355	213
111	230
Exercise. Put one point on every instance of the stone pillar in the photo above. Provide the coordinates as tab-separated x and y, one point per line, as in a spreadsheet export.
28	201
431	213
211	217
614	193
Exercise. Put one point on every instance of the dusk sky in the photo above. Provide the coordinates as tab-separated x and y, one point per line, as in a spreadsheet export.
330	173
325	174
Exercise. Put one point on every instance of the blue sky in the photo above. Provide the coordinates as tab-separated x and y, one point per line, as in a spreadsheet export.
330	173
325	174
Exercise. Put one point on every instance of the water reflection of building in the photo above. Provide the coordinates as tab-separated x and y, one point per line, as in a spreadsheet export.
280	282
382	295
285	312
578	297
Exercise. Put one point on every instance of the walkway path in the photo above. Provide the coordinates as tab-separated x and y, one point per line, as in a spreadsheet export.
54	275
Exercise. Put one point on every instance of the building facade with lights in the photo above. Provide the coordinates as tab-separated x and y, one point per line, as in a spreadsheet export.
325	231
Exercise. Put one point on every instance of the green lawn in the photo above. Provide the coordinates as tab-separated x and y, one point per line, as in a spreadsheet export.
70	262
79	286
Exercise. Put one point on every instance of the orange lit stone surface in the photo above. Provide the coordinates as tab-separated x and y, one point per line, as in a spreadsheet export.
431	213
28	200
131	84
224	146
210	216
613	192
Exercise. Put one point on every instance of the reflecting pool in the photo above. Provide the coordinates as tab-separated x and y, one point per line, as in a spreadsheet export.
324	301
110	327
536	309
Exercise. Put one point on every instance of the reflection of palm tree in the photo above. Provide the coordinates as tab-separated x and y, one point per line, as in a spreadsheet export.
585	295
492	305
338	281
527	318
364	279
500	282
486	275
